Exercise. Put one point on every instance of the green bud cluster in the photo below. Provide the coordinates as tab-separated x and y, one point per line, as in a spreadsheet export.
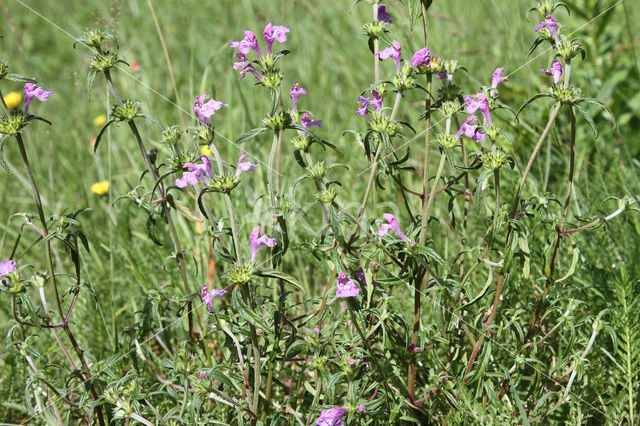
492	131
447	141
450	108
224	183
241	272
272	80
126	111
380	123
403	80
544	7
278	121
569	49
203	135
103	61
450	92
93	38
301	142
494	161
327	195
317	171
373	29
177	160
567	95
12	124
171	135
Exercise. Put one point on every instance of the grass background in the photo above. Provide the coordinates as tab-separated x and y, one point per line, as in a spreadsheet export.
331	60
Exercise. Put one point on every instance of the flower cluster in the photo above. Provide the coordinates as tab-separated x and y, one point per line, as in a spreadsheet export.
394	227
270	76
203	108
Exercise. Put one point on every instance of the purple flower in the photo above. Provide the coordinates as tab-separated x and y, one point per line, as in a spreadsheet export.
252	70
393	53
247	43
421	57
241	63
295	93
470	130
196	173
274	32
443	77
550	24
479	102
316	330
394	227
346	287
331	417
244	166
307	122
383	15
351	361
255	242
365	102
6	267
555	71
203	374
361	410
31	90
204	110
207	297
359	276
497	79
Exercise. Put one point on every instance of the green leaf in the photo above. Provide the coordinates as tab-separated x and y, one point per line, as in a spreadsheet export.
99	137
20	78
272	273
250	134
575	252
531	99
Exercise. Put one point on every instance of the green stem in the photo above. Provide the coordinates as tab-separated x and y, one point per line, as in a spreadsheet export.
496	208
425	166
427	210
376	58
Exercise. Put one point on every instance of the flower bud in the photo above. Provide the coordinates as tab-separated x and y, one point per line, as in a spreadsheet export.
317	171
203	135
544	8
492	131
374	29
494	161
38	280
450	92
93	38
326	196
177	160
569	50
272	80
278	121
450	108
103	62
447	141
301	142
567	95
224	183
171	135
13	123
241	272
127	111
268	63
380	123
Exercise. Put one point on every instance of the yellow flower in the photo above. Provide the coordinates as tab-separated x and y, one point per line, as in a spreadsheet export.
13	99
100	188
100	120
205	150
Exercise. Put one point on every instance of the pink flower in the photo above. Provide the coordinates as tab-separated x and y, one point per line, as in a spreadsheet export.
550	24
555	71
250	68
376	102
351	361
346	287
478	102
31	90
274	32
245	45
208	296
6	267
497	79
196	173
241	63
203	374
135	66
394	227
244	166
393	53
203	110
307	122
316	330
295	93
421	57
383	15
361	409
470	130
331	417
255	242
